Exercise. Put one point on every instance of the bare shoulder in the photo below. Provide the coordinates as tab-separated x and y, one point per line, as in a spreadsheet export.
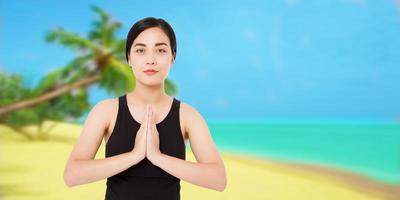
189	112
198	132
93	130
192	119
187	109
107	103
102	111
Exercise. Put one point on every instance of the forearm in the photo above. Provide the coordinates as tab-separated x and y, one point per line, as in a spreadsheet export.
209	175
79	172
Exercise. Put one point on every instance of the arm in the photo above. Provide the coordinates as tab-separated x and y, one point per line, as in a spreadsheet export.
81	167
209	171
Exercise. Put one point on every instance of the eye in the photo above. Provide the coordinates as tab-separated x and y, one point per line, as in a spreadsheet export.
139	51
162	51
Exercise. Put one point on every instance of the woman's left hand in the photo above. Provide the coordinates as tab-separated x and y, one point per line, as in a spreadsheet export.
153	141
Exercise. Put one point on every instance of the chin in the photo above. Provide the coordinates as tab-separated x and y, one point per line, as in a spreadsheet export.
151	82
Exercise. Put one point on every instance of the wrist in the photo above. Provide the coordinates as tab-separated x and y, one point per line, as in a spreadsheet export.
135	156
155	158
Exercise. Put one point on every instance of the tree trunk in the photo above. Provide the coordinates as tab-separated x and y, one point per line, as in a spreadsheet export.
47	96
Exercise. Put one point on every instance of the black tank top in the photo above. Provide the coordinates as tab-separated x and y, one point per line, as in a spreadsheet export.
144	180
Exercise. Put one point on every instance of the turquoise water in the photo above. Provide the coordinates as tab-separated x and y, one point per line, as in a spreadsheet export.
369	149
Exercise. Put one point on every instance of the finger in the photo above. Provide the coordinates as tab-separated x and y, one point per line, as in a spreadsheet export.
144	124
154	120
149	119
153	124
147	124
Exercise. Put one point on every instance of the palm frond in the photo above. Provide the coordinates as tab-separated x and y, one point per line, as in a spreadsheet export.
117	79
104	29
72	40
170	87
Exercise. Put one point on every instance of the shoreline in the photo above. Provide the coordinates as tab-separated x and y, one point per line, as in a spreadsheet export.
351	179
242	165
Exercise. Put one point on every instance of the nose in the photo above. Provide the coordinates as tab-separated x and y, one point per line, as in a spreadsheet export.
151	59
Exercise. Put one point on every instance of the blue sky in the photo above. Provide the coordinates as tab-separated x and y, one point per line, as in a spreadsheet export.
242	60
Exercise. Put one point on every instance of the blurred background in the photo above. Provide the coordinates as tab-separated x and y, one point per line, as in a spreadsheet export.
301	97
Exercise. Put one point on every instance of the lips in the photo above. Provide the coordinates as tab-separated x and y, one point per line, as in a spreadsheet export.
150	71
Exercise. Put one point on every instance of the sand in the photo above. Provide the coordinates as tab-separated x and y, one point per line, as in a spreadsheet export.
34	170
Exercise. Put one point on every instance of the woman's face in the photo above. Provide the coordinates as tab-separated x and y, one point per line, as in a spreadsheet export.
151	51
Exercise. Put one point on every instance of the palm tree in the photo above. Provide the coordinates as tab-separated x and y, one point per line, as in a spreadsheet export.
100	60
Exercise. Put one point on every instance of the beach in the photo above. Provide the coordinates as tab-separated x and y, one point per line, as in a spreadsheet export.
34	170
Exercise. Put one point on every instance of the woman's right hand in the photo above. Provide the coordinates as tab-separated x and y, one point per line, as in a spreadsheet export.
139	149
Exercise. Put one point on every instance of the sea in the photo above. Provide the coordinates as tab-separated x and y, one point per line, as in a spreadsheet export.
371	149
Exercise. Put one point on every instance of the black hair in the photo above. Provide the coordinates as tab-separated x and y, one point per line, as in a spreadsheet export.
146	23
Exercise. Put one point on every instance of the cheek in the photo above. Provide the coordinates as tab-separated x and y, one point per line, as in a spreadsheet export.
136	66
165	60
136	61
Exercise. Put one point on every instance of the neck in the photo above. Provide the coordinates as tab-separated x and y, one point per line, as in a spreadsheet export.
145	94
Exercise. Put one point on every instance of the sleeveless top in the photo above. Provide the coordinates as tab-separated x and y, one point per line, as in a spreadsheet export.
144	180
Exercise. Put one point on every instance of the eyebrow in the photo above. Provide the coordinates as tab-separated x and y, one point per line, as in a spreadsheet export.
157	44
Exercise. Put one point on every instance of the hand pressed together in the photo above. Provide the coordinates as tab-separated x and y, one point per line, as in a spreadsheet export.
147	142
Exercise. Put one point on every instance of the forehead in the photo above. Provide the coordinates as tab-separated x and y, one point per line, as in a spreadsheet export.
151	36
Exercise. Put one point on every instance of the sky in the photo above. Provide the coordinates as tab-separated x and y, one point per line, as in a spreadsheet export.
241	60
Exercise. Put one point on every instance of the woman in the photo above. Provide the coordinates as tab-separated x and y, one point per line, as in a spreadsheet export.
145	130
